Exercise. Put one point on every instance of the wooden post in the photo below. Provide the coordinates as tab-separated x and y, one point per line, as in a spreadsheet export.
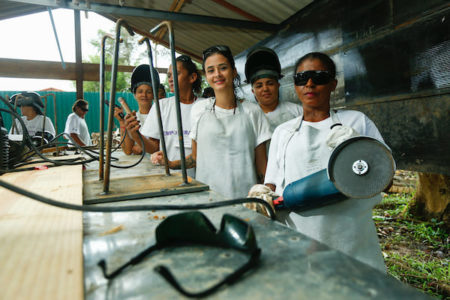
432	197
78	55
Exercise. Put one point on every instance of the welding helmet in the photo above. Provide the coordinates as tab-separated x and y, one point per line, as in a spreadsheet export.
141	75
262	62
28	99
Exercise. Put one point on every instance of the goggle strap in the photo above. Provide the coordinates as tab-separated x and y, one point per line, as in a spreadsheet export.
230	279
133	261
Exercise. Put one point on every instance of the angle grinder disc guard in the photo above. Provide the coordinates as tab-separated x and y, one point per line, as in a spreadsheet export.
361	167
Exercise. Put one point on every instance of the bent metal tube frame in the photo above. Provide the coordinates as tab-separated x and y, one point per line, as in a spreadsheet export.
105	167
114	67
54	116
156	98
101	160
177	94
43	122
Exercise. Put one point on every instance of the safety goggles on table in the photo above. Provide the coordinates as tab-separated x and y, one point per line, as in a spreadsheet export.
317	77
191	228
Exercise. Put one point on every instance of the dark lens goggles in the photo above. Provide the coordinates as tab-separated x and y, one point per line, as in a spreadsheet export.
194	228
215	49
84	109
317	77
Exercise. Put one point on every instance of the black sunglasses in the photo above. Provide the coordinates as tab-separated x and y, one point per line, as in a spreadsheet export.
215	49
194	228
317	77
84	109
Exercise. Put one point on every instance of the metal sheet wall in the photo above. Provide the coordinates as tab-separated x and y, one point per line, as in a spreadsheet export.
64	102
393	62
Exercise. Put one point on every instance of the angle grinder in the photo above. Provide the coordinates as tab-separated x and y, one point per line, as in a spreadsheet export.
360	167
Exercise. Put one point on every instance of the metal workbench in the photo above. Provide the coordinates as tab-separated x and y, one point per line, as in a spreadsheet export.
292	266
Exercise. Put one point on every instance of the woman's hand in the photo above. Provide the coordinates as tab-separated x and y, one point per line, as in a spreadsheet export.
157	158
262	192
118	114
132	123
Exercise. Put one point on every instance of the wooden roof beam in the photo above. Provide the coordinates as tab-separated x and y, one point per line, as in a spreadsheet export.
237	10
175	7
19	68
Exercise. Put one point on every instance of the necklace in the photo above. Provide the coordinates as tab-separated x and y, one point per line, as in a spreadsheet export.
234	108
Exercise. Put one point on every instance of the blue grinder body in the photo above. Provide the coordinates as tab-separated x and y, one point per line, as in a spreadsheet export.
359	168
309	192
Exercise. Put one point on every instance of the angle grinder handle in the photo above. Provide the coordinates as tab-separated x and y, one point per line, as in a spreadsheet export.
278	203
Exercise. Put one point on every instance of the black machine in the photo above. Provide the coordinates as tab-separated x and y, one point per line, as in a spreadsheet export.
4	148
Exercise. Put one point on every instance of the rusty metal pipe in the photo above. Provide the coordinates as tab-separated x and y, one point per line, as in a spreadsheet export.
45	117
54	116
55	120
112	102
13	128
158	110
177	94
101	164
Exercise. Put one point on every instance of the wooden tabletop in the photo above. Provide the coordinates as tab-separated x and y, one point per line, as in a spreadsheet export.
40	245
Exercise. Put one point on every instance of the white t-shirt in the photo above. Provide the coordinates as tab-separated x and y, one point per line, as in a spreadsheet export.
284	112
150	128
275	172
260	123
77	125
34	125
141	118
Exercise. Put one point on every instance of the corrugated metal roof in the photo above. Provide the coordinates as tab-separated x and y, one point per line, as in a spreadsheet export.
190	38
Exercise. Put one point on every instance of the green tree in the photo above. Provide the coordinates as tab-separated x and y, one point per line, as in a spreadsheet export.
128	55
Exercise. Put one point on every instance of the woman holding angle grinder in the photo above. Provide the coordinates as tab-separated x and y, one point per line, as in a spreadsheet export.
302	146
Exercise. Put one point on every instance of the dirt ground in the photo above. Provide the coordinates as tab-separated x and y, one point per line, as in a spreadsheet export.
416	251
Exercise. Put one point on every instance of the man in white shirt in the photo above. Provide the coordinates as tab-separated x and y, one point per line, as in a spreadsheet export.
76	126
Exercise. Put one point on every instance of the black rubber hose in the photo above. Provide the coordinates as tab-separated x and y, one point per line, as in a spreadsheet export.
27	136
109	209
62	162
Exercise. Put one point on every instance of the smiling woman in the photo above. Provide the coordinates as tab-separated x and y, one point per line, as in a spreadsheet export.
228	136
37	42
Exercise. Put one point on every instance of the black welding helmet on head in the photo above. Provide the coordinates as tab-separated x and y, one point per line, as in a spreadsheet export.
262	62
141	75
28	99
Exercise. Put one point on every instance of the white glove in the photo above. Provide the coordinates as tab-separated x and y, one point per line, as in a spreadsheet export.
263	192
339	134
